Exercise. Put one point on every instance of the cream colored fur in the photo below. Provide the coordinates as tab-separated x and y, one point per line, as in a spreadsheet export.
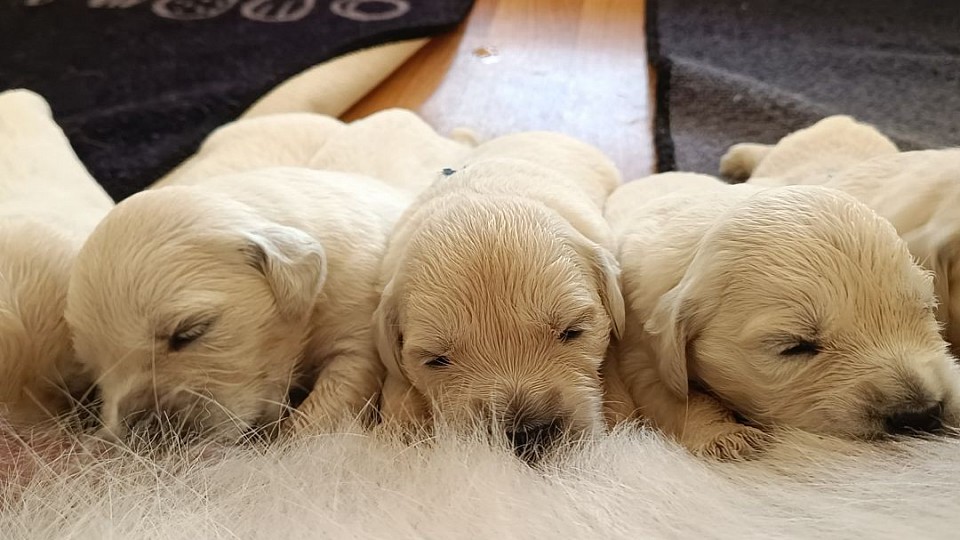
487	275
834	143
272	271
347	229
332	87
48	204
918	192
633	484
394	145
727	290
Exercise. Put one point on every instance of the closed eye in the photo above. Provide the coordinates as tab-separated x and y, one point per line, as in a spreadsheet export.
570	334
187	333
802	348
438	362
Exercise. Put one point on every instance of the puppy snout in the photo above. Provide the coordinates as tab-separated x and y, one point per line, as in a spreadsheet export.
135	422
929	420
531	439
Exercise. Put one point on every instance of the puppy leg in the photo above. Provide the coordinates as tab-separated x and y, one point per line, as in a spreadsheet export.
742	159
701	424
401	405
618	406
346	389
710	430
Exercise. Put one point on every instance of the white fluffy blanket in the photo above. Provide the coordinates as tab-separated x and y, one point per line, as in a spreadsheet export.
632	484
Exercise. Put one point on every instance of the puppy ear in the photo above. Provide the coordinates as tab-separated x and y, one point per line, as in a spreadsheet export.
401	404
938	251
292	262
386	331
605	271
669	327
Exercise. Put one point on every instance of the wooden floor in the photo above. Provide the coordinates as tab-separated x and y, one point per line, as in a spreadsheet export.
574	66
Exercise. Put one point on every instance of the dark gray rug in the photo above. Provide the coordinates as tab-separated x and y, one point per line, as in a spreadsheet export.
755	70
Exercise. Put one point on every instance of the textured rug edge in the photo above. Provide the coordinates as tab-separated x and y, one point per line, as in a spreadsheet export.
662	137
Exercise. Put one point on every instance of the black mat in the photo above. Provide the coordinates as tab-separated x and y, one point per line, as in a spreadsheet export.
752	70
138	85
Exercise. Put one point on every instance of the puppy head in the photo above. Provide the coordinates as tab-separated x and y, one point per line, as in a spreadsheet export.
37	368
187	305
500	311
804	308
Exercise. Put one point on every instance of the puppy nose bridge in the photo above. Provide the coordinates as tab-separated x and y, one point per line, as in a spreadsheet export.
119	401
526	401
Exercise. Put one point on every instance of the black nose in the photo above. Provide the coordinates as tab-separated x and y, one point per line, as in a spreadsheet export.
929	420
530	440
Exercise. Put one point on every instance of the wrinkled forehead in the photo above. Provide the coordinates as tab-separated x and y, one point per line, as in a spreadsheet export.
459	297
813	282
810	237
131	297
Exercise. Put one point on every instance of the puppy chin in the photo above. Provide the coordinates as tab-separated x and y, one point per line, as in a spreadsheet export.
192	420
951	406
577	418
259	420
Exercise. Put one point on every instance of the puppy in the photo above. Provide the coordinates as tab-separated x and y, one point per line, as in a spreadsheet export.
394	145
48	204
501	293
918	192
794	306
205	303
830	145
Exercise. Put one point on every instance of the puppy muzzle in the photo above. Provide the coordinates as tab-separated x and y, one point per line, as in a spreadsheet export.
531	440
152	426
915	421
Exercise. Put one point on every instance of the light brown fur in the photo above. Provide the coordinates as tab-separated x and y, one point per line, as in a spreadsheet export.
48	204
721	281
488	269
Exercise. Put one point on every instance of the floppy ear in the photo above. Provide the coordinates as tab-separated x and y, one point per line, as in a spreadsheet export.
292	262
605	271
400	402
386	330
938	251
669	327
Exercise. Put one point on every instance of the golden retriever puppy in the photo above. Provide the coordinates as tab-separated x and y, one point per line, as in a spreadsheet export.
501	293
918	192
48	204
393	145
205	303
830	145
794	306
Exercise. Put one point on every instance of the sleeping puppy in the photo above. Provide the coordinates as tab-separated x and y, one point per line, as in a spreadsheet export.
918	192
794	306
830	145
48	204
205	303
394	145
501	294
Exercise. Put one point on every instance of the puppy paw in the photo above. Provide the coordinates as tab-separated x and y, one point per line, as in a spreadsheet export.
729	442
741	160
